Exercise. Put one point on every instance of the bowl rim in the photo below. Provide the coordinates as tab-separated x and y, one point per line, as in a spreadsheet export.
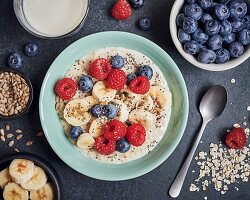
41	162
210	67
174	142
26	110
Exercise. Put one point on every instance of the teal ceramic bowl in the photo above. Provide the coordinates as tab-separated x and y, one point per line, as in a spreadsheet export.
53	129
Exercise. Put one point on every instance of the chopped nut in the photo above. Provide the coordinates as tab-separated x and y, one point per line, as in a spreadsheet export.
39	134
11	143
18	131
16	150
2	138
10	135
29	143
2	132
7	127
19	136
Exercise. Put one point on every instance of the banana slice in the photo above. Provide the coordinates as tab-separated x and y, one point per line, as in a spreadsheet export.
37	181
13	191
143	117
21	170
102	93
161	95
122	110
95	128
91	101
130	94
145	102
75	112
85	141
45	193
5	177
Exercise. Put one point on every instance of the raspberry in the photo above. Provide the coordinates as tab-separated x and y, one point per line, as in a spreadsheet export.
114	130
117	79
121	10
136	134
139	85
66	88
236	138
104	146
100	68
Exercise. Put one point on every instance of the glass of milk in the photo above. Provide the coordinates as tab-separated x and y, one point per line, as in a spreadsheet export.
52	19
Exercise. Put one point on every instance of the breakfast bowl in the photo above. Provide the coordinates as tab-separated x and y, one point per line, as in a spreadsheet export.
52	175
176	8
54	131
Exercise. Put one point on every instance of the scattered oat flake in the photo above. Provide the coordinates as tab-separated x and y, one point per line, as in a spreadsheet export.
11	143
236	126
248	108
39	134
16	150
205	198
244	123
233	80
18	131
193	187
29	143
19	136
193	171
7	127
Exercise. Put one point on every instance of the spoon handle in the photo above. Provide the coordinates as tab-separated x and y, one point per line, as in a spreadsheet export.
178	182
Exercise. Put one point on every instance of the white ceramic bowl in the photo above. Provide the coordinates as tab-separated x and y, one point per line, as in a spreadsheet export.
212	67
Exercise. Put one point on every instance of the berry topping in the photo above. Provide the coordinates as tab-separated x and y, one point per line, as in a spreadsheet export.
117	79
236	49
237	8
222	56
136	134
110	111
236	138
100	68
136	4
191	47
121	10
206	56
183	36
146	71
114	130
96	110
130	77
31	49
117	62
215	42
75	132
212	27
193	10
140	85
190	25
145	24
15	60
221	11
85	83
104	146
122	145
66	88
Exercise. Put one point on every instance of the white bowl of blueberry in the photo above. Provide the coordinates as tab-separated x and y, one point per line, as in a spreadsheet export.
212	34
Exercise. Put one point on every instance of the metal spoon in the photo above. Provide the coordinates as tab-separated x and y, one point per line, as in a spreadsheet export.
211	106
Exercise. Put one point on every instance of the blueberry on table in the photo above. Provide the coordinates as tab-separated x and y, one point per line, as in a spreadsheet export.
183	36
122	145
237	25
193	10
146	71
206	56
236	49
75	132
246	21
206	17
96	110
117	62
130	77
191	47
145	24
136	4
212	27
190	25
221	12
244	36
31	50
85	83
205	4
215	42
179	19
228	38
238	8
15	60
110	111
222	56
225	28
200	37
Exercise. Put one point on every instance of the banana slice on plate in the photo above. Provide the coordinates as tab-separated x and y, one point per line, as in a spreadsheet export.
145	102
37	181
161	95
85	141
102	93
21	170
91	101
95	128
75	112
5	177
122	110
45	193
143	117
13	191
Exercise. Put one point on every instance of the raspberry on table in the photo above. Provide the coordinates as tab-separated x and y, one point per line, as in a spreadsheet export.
114	130
104	146
100	68
140	85
117	79
121	10
236	138
136	134
66	88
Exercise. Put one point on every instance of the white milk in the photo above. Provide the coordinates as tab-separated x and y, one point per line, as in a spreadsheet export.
54	17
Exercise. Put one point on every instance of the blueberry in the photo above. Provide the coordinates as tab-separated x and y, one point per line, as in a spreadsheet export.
190	1
246	21
190	25
85	83
215	42
224	1
244	36
130	77
179	19
221	12
206	56
206	17
137	3
146	71
145	24
110	111
200	37
75	132
212	27
183	36
205	4
31	49
15	60
238	8
222	56
225	28
122	145
193	10
229	38
191	47
96	110
117	62
236	49
237	25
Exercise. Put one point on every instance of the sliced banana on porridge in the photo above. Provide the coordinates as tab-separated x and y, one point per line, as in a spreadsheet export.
102	93
145	102
160	95
122	110
96	126
91	101
143	117
85	141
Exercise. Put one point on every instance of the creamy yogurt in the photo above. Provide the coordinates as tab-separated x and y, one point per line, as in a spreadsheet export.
54	17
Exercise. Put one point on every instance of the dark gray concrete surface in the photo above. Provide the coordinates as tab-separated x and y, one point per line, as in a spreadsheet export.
154	185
